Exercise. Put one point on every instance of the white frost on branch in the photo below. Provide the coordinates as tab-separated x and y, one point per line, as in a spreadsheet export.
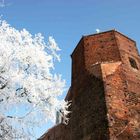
28	88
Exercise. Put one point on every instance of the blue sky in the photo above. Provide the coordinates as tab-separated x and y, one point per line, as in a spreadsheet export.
68	20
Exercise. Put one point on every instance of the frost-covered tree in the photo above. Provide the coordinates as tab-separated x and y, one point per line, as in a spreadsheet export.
28	86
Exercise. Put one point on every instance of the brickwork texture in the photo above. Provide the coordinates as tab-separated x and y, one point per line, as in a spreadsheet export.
105	90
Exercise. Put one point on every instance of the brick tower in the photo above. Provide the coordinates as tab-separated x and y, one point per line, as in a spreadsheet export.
105	90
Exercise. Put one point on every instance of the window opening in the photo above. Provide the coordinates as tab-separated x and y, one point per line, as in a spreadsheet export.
133	63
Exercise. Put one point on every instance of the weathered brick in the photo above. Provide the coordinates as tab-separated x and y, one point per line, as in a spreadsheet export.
105	90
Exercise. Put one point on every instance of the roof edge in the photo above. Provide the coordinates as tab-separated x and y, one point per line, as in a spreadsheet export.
112	30
77	45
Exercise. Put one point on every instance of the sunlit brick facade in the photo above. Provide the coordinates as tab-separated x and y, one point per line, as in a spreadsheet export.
105	90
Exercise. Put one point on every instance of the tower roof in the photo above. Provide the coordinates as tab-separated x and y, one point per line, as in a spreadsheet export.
101	33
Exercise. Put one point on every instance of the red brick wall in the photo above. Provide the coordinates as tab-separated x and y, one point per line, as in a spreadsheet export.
78	62
105	91
100	48
58	132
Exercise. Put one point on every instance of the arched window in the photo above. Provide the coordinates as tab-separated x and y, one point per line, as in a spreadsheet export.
133	63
